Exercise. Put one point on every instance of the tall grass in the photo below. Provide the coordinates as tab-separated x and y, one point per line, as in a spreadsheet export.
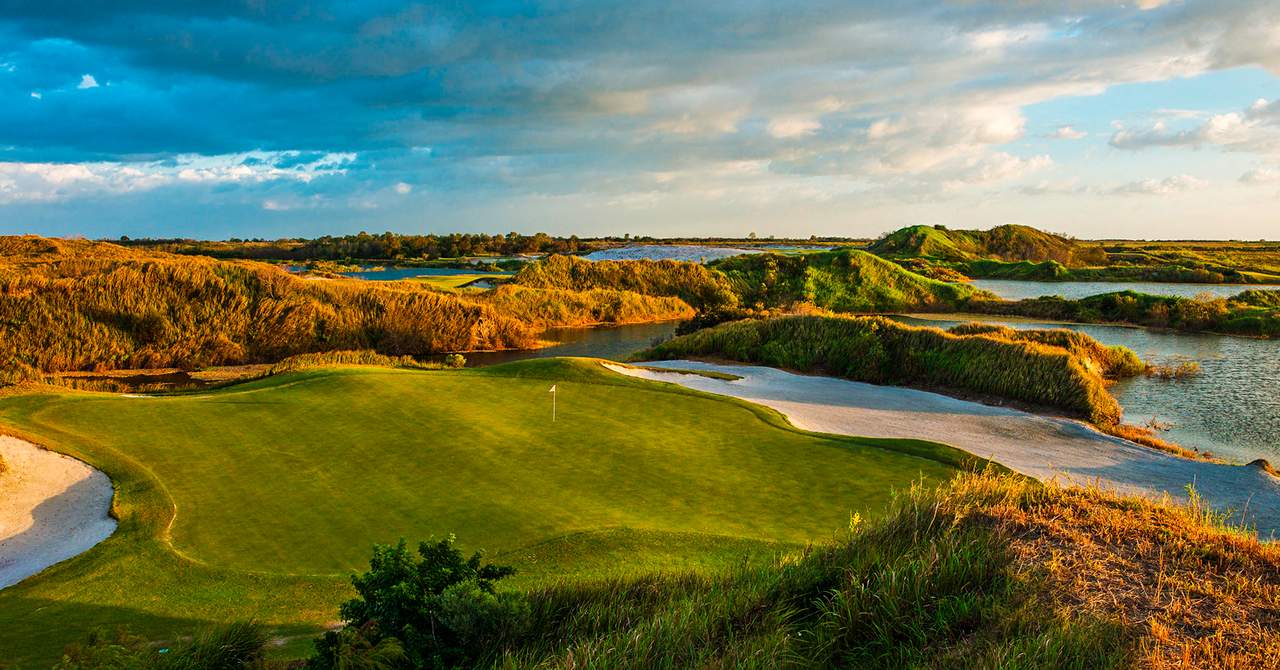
1114	362
881	351
549	307
1007	243
84	308
693	283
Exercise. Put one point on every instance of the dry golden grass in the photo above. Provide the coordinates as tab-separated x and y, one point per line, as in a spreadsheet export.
1148	438
1193	591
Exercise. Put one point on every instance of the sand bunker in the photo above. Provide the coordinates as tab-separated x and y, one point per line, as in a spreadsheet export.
1039	446
52	507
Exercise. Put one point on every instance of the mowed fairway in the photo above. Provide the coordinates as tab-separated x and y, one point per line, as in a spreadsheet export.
281	486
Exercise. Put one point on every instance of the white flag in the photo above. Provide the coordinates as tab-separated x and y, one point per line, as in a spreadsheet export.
553	388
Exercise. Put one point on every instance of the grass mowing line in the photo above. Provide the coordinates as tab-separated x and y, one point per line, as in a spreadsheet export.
671	476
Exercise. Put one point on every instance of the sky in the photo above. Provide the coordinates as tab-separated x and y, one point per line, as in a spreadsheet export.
1155	119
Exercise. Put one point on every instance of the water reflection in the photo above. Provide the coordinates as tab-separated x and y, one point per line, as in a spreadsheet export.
1011	289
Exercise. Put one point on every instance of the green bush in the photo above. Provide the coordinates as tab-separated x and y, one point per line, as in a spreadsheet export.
441	608
882	351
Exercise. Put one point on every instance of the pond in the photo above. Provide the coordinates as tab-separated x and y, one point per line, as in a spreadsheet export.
1013	289
1232	408
672	252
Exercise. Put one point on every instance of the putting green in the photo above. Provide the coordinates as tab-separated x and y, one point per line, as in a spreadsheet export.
281	486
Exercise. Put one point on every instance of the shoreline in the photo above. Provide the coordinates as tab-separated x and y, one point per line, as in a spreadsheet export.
52	508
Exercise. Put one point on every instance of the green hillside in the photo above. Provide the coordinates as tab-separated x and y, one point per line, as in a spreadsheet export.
257	501
1011	243
844	281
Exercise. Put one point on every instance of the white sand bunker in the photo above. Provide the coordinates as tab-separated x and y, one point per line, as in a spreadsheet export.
52	507
1039	446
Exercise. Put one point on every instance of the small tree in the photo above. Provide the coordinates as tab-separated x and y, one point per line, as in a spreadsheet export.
441	607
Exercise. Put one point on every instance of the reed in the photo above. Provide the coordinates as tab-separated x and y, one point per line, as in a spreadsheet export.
882	351
549	307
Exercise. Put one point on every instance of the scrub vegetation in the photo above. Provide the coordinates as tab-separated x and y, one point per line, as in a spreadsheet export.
1065	372
550	307
694	283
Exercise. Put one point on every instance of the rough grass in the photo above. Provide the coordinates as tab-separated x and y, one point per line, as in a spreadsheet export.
544	308
1006	243
881	351
694	283
74	305
255	501
1113	362
844	281
987	571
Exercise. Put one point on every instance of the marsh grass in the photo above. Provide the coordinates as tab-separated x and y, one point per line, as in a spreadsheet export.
694	283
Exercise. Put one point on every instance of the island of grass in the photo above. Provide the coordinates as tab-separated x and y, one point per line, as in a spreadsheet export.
257	501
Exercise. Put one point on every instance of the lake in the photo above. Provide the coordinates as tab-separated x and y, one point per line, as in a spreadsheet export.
1013	289
1232	408
667	252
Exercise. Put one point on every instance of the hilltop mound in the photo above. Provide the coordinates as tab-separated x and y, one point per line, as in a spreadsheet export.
848	280
1007	243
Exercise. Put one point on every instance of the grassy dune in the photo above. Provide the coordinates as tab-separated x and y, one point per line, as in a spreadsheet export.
256	501
1254	313
694	283
1029	368
843	281
1006	243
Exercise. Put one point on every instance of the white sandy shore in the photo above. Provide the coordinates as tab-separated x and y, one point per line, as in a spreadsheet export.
1039	446
52	507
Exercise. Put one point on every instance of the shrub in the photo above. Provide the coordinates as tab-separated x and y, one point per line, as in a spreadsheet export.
441	608
882	351
455	361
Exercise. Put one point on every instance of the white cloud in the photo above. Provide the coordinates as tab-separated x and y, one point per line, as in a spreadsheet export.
1261	176
87	81
1167	186
48	182
1068	133
403	189
36	95
793	126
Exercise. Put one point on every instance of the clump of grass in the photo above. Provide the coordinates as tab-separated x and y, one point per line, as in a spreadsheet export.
234	646
882	351
1113	362
360	357
1174	371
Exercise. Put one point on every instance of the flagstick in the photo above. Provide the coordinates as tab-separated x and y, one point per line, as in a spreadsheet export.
553	405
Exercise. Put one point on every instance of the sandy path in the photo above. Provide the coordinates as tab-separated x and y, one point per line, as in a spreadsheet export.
1039	446
52	507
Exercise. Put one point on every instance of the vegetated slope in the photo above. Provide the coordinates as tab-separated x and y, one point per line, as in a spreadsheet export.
693	283
631	476
1254	313
845	281
546	307
987	571
882	351
1006	243
75	305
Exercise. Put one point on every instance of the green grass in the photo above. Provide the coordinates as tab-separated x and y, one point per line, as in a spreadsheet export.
281	486
457	282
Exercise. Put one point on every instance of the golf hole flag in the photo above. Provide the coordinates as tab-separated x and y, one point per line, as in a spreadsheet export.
553	402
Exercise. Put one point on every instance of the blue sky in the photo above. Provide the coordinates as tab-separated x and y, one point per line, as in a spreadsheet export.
1149	119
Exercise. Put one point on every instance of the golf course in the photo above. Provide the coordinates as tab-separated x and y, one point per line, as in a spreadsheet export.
257	501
